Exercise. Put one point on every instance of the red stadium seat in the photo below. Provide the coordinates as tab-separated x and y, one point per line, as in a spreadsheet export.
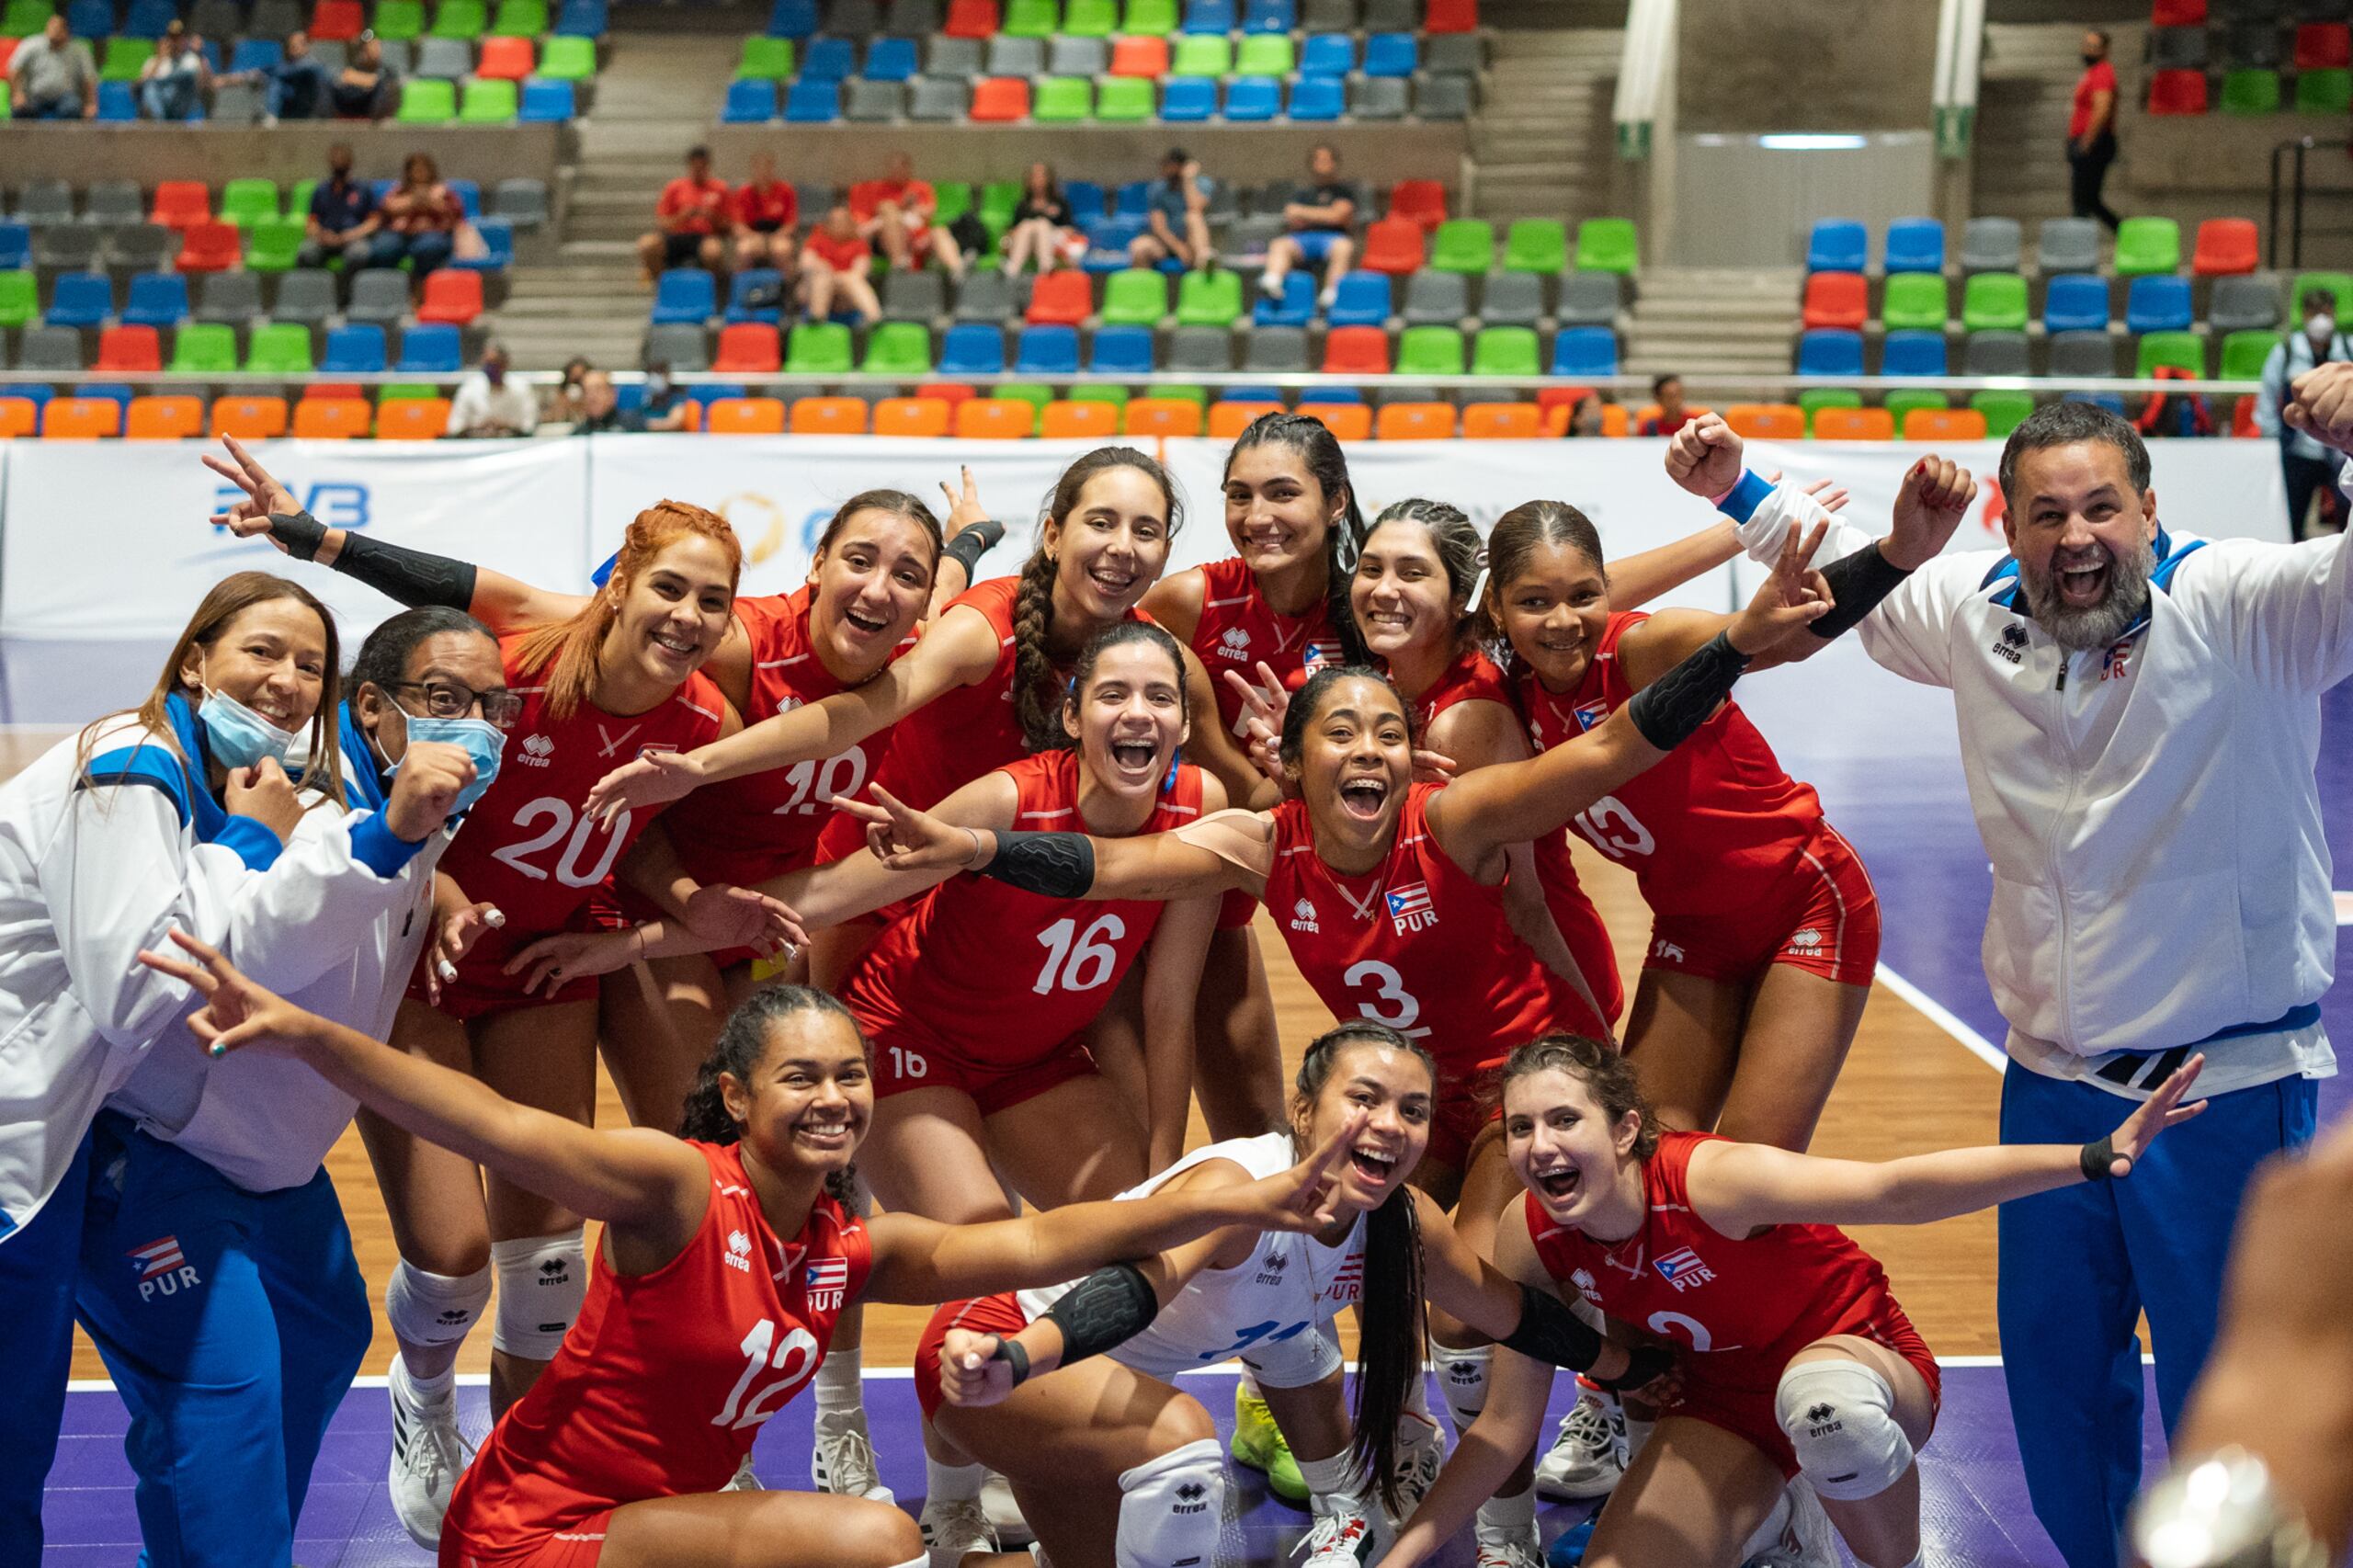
2177	92
7	53
1356	351
1423	200
748	347
172	419
1393	246
949	393
1346	421
338	20
1229	418
912	417
2177	13
505	59
1164	416
1001	98
970	18
2225	246
1837	299
451	296
133	348
179	202
2243	423
747	416
80	418
210	247
828	416
332	418
2323	46
1502	422
1450	17
1064	298
1146	56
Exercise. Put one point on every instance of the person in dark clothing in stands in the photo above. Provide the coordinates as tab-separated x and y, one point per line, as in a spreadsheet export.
343	220
367	87
2091	131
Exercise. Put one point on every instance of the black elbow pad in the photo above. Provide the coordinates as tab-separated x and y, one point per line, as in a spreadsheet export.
1107	1308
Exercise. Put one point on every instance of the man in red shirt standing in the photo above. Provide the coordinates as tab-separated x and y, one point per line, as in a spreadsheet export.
692	215
2091	131
896	213
766	212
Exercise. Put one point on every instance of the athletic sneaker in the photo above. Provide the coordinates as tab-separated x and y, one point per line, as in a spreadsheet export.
743	1479
429	1455
1259	1444
951	1529
1808	1540
1508	1554
1421	1449
1004	1512
842	1461
1583	1462
1349	1533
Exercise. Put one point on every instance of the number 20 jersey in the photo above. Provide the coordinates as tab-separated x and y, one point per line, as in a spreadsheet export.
666	1380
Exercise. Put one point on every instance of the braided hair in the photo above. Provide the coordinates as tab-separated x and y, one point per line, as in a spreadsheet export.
1319	450
1517	535
743	1042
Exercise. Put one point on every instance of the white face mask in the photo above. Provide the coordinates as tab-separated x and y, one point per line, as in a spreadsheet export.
2320	328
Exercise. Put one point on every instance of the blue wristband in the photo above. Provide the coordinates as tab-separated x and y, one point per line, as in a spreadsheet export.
1746	498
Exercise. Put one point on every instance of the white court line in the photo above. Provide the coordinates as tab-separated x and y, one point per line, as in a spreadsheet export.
1937	1013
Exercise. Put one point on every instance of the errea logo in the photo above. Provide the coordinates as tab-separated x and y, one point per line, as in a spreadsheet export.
537	751
1234	644
2012	646
1807	942
1303	919
1583	1280
738	1254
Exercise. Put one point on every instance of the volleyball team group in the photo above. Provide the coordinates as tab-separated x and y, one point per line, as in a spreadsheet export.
901	904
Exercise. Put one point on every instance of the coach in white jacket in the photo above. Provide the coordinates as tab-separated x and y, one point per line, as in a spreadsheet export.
2140	718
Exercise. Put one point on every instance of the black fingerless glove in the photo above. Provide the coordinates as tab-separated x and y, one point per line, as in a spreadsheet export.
972	542
300	532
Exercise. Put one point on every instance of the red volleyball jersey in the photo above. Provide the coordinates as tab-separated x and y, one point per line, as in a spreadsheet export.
758	826
1419	945
1743	1305
1238	630
1713	828
665	1380
1002	974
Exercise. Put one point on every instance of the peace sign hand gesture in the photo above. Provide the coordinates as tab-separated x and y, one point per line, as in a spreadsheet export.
249	518
906	839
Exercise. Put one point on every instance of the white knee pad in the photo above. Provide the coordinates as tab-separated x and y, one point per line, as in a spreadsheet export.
1173	1510
435	1309
1840	1416
542	1280
1462	1378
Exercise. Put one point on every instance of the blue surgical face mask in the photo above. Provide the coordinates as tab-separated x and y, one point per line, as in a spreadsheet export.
238	736
478	738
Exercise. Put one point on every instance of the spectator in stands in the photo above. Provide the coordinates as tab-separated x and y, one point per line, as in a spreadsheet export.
297	88
565	402
176	78
1319	229
896	215
53	77
834	264
1584	415
344	220
690	216
602	415
2091	131
664	406
1176	218
490	402
421	219
1671	414
766	216
366	88
2309	467
1042	230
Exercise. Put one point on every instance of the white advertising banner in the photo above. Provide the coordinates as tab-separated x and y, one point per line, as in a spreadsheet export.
110	540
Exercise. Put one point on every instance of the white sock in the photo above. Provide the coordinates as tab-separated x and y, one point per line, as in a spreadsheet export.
839	1383
952	1483
1637	1432
417	1393
1335	1477
1508	1519
1249	1386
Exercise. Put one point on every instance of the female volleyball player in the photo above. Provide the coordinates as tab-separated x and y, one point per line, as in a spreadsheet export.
1795	1359
726	1259
1096	1447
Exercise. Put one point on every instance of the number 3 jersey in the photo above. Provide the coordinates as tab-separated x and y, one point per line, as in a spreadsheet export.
663	1383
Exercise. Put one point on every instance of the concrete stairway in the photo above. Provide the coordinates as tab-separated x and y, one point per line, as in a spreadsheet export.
1542	140
1718	321
2027	82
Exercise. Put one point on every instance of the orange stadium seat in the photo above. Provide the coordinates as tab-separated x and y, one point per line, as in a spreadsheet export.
18	416
412	418
451	296
1502	422
1853	425
1944	424
2243	423
1346	421
131	348
338	20
748	347
169	418
1837	299
1000	98
1164	416
179	202
80	418
332	418
1415	422
1146	56
1766	421
2225	246
1613	419
251	418
1066	421
995	419
745	417
1423	200
1356	351
828	416
913	415
1393	246
1229	418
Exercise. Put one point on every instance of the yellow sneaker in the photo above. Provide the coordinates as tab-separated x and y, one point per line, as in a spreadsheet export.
1259	1443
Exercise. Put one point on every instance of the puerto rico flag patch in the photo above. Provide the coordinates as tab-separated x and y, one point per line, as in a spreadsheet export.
1589	714
1315	655
157	1257
826	1281
1410	908
1682	1269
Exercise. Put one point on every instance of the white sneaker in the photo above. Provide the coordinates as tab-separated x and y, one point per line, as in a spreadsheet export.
1004	1512
1809	1540
1584	1459
429	1455
1421	1450
1508	1554
842	1460
952	1529
743	1479
1349	1532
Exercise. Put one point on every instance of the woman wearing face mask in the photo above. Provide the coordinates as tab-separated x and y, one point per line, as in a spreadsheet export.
725	1256
1071	1387
231	1369
1793	1358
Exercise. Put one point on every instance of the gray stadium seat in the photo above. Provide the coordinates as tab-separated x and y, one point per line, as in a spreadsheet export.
114	201
331	53
958	57
2178	49
2250	43
400	53
939	97
1077	57
913	18
220	19
378	294
237	103
64	247
1015	57
138	247
1990	245
1377	97
1589	298
1223	205
446	59
854	19
274	18
1454	55
987	295
1436	298
1250	236
1384	396
1272	197
913	296
1513	299
2068	244
814	198
1199	348
45	201
2245	304
2082	354
1443	97
873	102
1393	16
1994	354
1328	16
524	202
306	295
232	299
679	344
2226	10
1276	349
50	348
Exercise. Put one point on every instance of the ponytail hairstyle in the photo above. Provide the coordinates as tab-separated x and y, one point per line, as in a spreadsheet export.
1459	549
1119	635
1307	701
1037	690
1389	1310
1319	450
1607	1075
898	503
743	1042
566	651
1515	536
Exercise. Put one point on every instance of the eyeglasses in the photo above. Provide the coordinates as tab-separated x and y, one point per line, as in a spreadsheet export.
448	700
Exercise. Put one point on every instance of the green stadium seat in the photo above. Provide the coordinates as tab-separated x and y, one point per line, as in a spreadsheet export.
819	348
1429	351
1994	301
124	56
273	245
898	348
1464	244
1209	299
1136	297
205	348
954	198
2145	246
280	348
1202	54
428	102
246	202
1815	399
998	199
1915	301
1090	18
764	60
1537	244
2337	283
1037	394
1606	244
1505	351
1265	54
1197	396
2004	411
6	112
1156	19
399	19
1124	99
298	200
22	18
1062	100
2176	350
520	18
19	298
2324	92
568	60
406	392
1905	400
1031	18
2254	91
487	103
467	19
2244	354
1116	396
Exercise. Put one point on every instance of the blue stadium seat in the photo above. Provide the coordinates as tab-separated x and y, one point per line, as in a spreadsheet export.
1361	300
1315	98
1391	54
686	294
1209	16
1827	351
1184	99
157	299
1585	351
739	290
1837	245
792	18
1121	351
1313	395
430	348
147	19
1250	395
15	248
1134	200
716	391
891	60
356	350
113	392
972	348
1912	353
829	60
1915	245
256	54
82	299
748	103
1327	54
1297	307
2158	303
552	103
90	19
1249	100
1115	232
813	103
2112	401
1269	17
2076	301
498	242
117	103
469	194
1086	199
582	19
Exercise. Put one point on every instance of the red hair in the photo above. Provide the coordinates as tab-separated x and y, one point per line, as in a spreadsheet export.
568	650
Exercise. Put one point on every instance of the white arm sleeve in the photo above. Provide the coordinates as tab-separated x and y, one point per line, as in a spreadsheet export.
2289	607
